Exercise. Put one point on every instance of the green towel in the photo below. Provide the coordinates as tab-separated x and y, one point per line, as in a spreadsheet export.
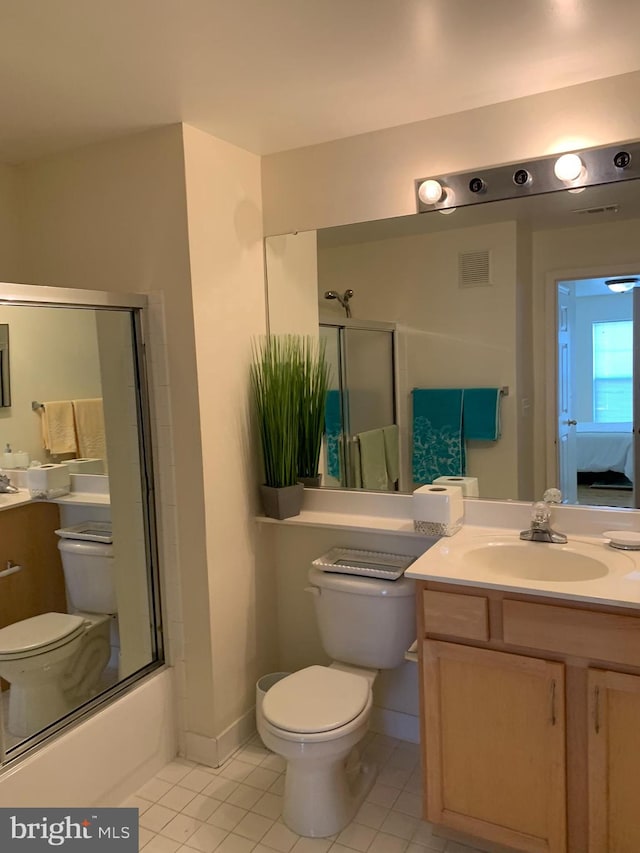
481	414
372	460
391	452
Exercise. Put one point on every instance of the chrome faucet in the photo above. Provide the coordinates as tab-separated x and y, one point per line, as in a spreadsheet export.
5	485
541	530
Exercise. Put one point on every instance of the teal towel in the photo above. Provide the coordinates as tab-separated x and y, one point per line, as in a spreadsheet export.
481	414
333	431
438	446
372	460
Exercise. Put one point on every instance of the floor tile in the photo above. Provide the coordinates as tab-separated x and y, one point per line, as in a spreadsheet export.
207	838
311	845
156	817
371	814
399	824
408	803
385	843
181	828
137	802
274	762
253	826
220	788
278	786
235	844
383	795
269	805
196	780
244	796
280	838
227	816
176	798
154	789
176	770
357	836
394	777
144	836
261	778
252	754
201	807
236	770
159	844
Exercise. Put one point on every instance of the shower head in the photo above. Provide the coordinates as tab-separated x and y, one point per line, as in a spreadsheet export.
343	300
331	294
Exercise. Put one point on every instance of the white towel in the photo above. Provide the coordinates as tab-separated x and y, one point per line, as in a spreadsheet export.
89	420
58	427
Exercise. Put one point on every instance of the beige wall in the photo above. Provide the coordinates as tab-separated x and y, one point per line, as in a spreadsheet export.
225	242
44	365
9	249
113	217
371	176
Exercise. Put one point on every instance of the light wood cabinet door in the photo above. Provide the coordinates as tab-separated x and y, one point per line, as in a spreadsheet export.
614	762
494	735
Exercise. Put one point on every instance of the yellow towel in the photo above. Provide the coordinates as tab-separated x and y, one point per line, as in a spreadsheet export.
58	427
89	419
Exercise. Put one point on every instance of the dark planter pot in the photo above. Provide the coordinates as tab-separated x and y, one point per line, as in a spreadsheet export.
311	482
282	503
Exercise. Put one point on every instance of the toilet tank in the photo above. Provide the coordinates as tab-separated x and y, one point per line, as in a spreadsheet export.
364	621
88	575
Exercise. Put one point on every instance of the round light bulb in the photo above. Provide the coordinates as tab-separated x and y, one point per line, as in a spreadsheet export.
447	210
430	192
568	168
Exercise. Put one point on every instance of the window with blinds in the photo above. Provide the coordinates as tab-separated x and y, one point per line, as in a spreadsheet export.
613	371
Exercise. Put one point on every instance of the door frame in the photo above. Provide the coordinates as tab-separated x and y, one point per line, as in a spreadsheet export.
549	402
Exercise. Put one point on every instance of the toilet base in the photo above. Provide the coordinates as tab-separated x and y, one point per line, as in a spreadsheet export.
320	800
33	708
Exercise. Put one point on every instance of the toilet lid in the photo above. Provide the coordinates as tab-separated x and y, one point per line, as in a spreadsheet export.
28	635
316	699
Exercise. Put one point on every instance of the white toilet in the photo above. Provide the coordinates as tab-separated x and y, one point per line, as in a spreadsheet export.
54	661
315	717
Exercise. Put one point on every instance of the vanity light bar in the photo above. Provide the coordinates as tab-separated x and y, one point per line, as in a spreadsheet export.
571	170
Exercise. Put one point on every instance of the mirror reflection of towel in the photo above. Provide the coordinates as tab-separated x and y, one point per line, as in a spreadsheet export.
89	420
373	461
58	427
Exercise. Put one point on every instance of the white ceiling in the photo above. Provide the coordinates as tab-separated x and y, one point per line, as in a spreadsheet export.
269	75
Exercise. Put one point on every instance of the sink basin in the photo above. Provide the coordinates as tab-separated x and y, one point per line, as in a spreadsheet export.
541	561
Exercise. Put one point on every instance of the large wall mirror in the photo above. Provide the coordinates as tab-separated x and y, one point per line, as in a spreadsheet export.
79	608
509	296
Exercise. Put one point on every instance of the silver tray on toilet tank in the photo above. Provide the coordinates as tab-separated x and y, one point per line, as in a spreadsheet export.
374	564
93	531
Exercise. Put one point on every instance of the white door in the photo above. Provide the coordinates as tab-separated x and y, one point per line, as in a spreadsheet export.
566	438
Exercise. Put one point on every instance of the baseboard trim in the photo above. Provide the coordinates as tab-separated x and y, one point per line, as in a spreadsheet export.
395	724
214	751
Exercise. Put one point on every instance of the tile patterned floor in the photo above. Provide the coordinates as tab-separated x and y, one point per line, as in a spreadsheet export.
237	808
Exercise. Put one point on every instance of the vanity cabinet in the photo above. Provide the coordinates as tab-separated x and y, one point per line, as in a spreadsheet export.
613	761
495	741
530	719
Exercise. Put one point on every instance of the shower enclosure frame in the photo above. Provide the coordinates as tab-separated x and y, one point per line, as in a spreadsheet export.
370	326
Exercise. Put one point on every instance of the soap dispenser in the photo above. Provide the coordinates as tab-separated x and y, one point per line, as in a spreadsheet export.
8	460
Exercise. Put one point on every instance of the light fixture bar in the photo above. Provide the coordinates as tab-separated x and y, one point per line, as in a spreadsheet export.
608	164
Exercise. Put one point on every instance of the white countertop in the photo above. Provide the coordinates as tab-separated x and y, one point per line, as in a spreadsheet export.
448	561
12	500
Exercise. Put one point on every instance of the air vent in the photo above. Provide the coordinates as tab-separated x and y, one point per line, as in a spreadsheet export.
474	269
609	208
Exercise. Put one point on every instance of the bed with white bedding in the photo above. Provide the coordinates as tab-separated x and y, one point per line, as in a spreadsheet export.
600	449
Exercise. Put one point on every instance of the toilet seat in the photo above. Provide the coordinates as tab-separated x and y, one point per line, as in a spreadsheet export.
315	700
39	634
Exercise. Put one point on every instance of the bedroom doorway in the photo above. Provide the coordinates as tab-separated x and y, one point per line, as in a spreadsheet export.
595	390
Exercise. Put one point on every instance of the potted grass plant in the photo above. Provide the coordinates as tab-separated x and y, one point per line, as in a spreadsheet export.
276	381
313	397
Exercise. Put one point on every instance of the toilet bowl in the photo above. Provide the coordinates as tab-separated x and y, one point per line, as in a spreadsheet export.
34	655
314	719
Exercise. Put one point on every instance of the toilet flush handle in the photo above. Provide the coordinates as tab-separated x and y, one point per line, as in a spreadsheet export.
312	590
11	569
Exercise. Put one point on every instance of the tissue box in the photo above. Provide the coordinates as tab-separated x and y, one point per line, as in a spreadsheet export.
48	481
469	485
438	510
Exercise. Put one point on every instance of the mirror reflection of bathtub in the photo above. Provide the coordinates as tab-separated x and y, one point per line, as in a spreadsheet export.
79	613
